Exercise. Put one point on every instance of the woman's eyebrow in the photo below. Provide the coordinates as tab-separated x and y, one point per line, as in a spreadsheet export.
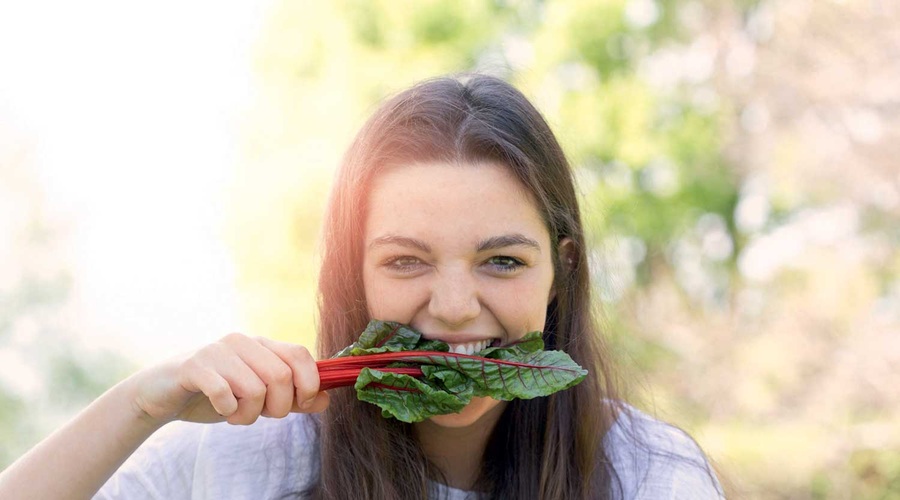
508	240
402	241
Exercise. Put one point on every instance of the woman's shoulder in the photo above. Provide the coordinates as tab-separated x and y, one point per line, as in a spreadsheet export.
654	459
267	459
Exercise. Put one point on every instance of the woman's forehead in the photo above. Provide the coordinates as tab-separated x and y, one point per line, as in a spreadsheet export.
443	199
484	174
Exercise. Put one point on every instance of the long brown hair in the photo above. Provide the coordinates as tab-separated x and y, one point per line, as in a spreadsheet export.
541	448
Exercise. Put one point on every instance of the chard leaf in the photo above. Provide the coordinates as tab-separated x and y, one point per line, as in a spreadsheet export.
520	370
529	376
387	336
432	345
449	380
531	342
406	398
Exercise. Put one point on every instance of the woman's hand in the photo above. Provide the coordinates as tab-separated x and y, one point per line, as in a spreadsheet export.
236	379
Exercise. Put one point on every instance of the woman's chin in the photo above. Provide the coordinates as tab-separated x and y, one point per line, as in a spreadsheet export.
474	412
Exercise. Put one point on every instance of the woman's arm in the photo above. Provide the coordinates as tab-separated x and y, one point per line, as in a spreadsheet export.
236	379
79	457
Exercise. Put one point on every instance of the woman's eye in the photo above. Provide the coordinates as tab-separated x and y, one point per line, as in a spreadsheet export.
403	264
505	264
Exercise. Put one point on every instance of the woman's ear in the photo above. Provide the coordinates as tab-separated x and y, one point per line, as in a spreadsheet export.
565	252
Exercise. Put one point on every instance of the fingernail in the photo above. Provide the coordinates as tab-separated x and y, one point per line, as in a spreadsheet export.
307	404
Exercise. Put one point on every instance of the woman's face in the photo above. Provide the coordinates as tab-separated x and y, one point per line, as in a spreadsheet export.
460	253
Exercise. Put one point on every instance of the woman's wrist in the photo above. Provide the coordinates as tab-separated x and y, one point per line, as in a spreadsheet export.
129	392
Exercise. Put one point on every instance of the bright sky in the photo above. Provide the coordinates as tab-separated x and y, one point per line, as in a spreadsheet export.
133	110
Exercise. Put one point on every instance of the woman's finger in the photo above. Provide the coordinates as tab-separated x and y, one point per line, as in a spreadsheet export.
245	384
318	403
215	388
271	369
303	367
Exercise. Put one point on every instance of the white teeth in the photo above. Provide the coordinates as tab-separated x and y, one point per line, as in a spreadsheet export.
469	348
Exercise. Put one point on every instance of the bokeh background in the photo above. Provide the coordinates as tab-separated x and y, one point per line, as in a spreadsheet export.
164	167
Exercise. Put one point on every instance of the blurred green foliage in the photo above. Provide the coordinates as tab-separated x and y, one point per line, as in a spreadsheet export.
878	472
47	374
13	423
63	375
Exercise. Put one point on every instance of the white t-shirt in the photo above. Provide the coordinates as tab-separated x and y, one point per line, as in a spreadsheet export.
277	458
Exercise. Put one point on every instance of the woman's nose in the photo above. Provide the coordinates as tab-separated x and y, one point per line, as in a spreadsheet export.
454	298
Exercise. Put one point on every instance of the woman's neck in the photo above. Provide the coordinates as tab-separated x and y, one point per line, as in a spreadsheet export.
458	451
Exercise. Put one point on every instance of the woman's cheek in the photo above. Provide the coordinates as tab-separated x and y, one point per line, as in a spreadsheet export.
376	297
521	314
392	301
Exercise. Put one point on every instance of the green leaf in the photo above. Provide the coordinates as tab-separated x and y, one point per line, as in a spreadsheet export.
532	375
406	398
449	380
387	336
531	342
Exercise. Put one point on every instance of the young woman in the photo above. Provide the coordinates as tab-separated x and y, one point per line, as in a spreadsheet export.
455	212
